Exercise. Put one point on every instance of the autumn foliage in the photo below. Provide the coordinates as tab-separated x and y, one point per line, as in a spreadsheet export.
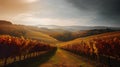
13	46
104	45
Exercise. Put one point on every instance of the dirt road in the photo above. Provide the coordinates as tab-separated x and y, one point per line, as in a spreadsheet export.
57	58
64	58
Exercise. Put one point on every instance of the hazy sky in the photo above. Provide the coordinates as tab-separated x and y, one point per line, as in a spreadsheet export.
61	12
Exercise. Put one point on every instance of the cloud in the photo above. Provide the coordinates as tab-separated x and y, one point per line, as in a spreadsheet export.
107	11
62	12
107	7
31	19
30	1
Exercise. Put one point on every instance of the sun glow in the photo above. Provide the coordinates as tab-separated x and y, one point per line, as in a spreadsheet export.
30	1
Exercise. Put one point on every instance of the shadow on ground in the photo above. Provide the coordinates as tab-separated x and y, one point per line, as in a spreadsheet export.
33	62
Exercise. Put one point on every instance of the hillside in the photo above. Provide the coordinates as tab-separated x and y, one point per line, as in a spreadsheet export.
33	33
76	28
3	22
66	35
103	48
26	31
78	40
110	34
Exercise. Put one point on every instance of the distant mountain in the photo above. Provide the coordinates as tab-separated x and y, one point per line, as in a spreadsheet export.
49	26
4	22
67	33
76	28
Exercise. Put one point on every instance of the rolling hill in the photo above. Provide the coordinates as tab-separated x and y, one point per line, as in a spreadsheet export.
3	22
90	38
52	33
76	28
103	48
26	31
66	35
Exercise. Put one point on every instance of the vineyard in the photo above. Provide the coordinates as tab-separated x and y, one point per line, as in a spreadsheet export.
14	49
103	48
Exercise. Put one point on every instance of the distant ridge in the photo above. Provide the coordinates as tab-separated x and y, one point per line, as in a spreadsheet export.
4	22
77	28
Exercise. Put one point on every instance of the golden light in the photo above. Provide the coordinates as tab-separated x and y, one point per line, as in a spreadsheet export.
30	1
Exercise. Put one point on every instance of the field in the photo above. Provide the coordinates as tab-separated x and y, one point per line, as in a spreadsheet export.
30	46
103	48
14	49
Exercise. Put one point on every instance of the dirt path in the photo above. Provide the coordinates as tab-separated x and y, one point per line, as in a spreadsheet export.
64	58
59	58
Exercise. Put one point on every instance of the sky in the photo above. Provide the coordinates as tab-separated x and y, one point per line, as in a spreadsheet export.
61	12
